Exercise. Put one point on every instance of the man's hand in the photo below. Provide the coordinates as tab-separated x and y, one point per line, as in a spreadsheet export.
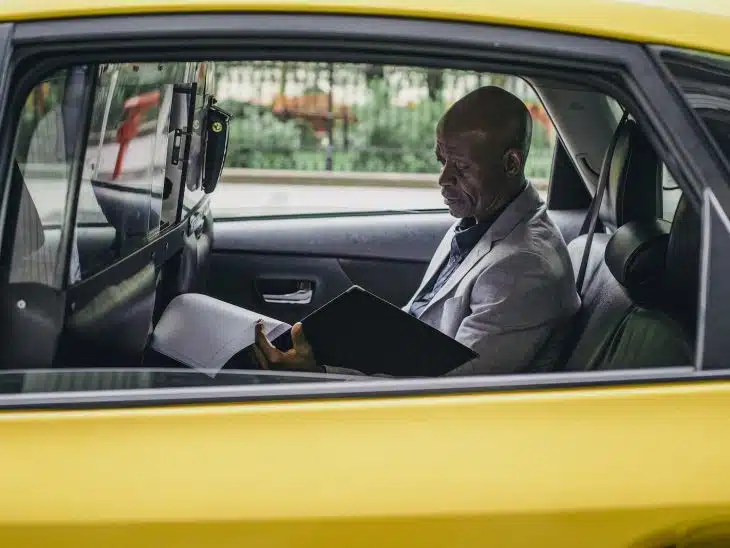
299	358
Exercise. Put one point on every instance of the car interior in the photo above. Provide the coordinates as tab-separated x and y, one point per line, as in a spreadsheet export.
639	289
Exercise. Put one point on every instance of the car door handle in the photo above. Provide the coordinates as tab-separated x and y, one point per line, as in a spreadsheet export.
301	296
284	291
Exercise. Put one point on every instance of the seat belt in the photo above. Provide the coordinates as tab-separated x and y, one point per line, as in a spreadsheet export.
589	223
589	228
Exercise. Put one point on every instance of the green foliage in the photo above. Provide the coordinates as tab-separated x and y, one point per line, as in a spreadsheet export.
539	163
260	140
540	137
310	141
540	158
385	138
237	109
394	138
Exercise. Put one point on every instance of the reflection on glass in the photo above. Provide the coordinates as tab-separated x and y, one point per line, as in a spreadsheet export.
704	78
42	166
125	197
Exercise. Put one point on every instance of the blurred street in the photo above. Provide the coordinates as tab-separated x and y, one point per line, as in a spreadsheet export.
243	200
239	199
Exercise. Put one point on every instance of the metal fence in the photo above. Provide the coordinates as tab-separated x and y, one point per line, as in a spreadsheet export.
347	117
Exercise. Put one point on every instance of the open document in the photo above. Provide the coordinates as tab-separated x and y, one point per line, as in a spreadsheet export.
204	333
355	330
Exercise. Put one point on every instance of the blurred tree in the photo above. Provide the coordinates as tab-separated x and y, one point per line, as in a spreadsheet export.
383	135
394	138
260	140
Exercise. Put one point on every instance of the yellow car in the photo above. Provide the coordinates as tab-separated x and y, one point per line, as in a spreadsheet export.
117	117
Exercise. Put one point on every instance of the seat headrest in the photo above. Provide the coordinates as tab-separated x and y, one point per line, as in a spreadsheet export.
683	263
633	192
636	254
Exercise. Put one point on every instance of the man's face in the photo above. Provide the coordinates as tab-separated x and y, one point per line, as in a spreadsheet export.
472	173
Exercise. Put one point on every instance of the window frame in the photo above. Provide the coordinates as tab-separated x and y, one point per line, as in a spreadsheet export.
645	89
712	343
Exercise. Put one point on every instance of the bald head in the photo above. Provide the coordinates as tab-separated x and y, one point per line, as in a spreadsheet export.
482	142
500	116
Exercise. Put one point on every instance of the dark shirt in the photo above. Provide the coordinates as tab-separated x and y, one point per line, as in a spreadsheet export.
467	234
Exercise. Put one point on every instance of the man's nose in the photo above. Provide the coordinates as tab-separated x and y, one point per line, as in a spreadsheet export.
446	176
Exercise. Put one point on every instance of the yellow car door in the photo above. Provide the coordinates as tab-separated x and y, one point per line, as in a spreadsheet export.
554	467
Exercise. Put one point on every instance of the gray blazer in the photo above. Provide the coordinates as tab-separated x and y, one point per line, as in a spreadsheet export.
512	297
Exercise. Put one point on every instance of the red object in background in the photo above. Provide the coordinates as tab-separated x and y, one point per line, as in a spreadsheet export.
540	116
313	107
135	107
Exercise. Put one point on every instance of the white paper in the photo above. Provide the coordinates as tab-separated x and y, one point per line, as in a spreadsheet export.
204	333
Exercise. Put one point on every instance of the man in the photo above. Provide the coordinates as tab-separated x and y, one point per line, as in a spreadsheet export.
501	281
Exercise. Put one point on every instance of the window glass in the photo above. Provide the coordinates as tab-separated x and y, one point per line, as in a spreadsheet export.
129	189
671	193
128	194
317	138
43	161
704	79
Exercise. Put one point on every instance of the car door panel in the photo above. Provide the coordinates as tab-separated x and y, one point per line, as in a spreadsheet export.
391	280
244	278
557	469
408	236
385	254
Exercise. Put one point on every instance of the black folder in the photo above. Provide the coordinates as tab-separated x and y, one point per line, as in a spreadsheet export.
361	331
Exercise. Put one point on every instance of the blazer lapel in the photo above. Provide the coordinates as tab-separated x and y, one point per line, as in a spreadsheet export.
524	206
478	251
439	256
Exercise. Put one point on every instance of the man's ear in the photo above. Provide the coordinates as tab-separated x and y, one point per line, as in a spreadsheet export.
513	162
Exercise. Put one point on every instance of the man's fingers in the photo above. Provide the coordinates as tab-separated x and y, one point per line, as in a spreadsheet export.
301	345
271	353
260	336
260	358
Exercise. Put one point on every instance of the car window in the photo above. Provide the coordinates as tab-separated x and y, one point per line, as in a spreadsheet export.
123	199
704	79
312	138
671	193
616	109
128	191
306	138
43	158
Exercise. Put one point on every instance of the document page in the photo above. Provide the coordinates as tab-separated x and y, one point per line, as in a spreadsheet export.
204	333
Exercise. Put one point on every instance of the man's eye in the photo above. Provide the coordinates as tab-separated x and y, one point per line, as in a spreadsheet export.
461	166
